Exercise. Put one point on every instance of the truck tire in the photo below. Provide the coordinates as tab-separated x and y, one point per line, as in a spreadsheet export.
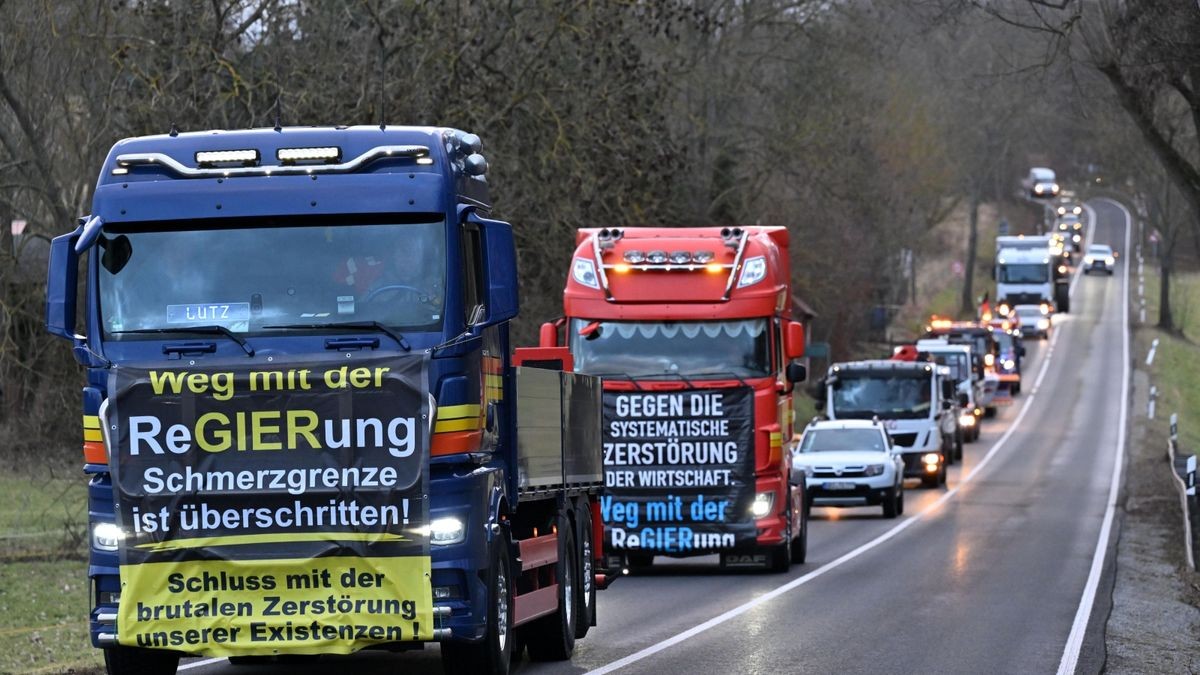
1062	298
552	637
948	449
585	612
779	558
137	661
492	654
958	443
800	543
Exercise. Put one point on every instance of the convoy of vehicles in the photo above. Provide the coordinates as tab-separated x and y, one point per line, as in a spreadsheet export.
413	479
692	331
851	463
334	342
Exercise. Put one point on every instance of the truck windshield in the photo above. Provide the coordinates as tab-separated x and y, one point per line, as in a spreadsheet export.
693	349
884	394
250	277
1032	273
955	361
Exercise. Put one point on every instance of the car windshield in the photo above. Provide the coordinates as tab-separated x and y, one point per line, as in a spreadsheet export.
738	348
247	278
1100	250
1024	273
1005	340
888	395
1028	312
842	440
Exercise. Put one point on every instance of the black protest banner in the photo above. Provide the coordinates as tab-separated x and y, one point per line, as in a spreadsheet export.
272	506
678	470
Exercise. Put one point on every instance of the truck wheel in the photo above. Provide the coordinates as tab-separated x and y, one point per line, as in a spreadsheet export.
891	504
1062	298
552	637
137	661
900	500
942	475
585	611
800	543
949	449
958	443
989	412
493	653
780	557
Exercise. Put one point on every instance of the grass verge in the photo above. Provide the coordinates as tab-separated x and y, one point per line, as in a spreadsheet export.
1176	366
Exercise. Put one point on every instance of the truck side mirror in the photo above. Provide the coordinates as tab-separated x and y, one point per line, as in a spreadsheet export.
948	388
62	278
499	268
796	372
793	341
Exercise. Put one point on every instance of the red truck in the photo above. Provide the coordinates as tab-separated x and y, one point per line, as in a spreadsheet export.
692	332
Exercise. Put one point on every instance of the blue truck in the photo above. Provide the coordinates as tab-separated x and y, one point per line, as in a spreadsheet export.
304	426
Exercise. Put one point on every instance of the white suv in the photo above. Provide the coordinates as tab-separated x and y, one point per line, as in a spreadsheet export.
851	463
1099	258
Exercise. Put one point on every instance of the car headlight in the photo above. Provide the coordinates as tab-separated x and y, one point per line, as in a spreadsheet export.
931	458
763	502
1003	309
584	271
107	536
989	359
1009	364
446	531
873	470
1077	238
1109	261
1044	308
1043	324
966	420
1087	259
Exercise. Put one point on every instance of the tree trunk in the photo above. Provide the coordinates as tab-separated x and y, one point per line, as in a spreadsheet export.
1166	322
968	292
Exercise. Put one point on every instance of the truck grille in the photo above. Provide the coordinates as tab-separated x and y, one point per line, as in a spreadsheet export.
1023	298
906	440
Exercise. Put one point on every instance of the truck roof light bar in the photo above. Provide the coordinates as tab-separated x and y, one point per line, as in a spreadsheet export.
239	157
159	159
330	155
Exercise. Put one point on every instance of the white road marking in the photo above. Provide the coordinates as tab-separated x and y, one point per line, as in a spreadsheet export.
1070	657
827	567
1153	348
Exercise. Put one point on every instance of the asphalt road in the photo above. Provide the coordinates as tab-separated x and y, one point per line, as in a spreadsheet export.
984	575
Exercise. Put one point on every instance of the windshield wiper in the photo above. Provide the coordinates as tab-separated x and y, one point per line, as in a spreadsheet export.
349	325
201	330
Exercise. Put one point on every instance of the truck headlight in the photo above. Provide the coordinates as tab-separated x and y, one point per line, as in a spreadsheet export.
873	470
1043	324
966	420
989	359
107	536
446	531
763	502
1009	364
584	271
754	270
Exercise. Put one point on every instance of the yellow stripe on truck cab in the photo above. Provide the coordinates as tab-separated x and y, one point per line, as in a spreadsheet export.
455	412
91	422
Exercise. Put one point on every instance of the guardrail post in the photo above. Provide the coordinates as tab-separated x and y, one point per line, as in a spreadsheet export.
1174	427
1150	403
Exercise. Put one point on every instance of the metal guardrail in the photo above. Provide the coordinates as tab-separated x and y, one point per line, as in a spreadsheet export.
1183	471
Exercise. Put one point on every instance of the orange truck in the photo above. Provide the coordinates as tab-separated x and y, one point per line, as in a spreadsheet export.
692	332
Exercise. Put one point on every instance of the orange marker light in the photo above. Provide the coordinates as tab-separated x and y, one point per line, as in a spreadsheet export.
713	268
621	268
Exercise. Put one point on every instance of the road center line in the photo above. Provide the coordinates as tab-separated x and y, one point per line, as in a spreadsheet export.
1070	657
829	566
